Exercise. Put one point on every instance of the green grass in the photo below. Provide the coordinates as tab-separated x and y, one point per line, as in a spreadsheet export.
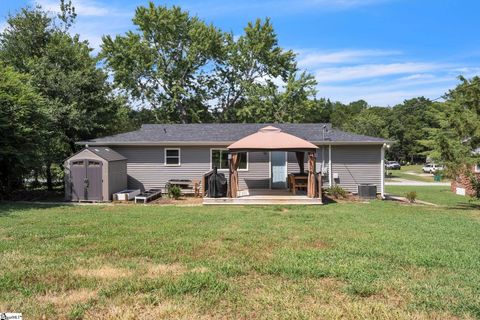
380	260
441	195
412	168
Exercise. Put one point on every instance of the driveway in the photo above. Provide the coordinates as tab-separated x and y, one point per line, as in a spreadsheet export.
405	182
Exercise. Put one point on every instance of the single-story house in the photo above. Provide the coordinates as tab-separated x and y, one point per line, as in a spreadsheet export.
157	153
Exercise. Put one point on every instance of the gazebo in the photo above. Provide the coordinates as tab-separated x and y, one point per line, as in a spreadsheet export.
272	139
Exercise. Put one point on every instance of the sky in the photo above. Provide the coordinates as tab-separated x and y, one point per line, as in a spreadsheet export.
382	51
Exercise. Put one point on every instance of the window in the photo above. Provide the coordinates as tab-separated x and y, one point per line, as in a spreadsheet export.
219	159
172	157
477	168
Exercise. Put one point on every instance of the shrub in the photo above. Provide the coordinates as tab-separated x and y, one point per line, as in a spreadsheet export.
174	192
337	192
411	196
475	182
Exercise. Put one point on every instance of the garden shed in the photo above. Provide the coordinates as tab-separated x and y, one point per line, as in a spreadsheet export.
94	174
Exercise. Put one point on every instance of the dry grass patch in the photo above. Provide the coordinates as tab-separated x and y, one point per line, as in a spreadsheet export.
200	269
155	270
104	272
65	300
138	311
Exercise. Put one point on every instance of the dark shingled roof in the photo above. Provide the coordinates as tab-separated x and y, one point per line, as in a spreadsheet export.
227	132
106	153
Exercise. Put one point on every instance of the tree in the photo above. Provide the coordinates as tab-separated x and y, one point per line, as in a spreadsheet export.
25	37
63	71
458	137
269	104
409	125
249	67
371	122
342	113
163	64
22	118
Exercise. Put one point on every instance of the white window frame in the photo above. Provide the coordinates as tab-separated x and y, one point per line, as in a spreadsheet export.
476	168
172	164
225	149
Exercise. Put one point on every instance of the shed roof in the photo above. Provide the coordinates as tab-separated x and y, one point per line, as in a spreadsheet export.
106	153
227	133
271	138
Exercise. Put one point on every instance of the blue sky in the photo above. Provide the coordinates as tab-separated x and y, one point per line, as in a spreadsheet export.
383	51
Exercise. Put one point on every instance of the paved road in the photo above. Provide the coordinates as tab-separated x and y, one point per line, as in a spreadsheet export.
404	182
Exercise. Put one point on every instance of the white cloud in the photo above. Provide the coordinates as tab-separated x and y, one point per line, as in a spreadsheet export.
312	58
381	77
364	71
275	7
88	8
94	19
387	95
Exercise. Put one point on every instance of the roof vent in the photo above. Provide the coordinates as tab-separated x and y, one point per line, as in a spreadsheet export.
269	129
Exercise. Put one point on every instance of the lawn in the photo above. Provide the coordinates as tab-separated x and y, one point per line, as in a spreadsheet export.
402	173
441	195
377	260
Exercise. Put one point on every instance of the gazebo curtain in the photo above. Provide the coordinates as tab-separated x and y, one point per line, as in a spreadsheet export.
233	170
311	175
301	161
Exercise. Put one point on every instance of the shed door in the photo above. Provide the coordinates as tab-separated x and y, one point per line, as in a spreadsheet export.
94	180
77	176
86	181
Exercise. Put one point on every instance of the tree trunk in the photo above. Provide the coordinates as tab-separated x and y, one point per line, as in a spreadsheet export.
183	113
48	172
71	143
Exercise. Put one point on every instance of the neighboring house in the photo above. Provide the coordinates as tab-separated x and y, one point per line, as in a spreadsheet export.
462	185
157	153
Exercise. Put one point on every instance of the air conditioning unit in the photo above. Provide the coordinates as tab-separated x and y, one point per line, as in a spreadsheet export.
367	191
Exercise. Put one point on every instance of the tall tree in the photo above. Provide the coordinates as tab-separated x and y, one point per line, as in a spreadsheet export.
291	103
22	118
409	125
458	138
164	62
65	74
249	67
371	122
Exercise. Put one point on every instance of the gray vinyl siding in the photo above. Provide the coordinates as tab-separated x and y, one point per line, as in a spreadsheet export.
258	174
117	177
357	165
146	168
292	165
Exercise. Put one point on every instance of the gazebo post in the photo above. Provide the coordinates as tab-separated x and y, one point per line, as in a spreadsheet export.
233	163
311	175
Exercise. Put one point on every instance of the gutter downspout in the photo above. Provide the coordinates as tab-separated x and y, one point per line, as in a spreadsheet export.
330	175
382	170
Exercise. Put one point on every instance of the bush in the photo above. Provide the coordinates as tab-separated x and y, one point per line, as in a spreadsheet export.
411	196
337	192
174	192
475	182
